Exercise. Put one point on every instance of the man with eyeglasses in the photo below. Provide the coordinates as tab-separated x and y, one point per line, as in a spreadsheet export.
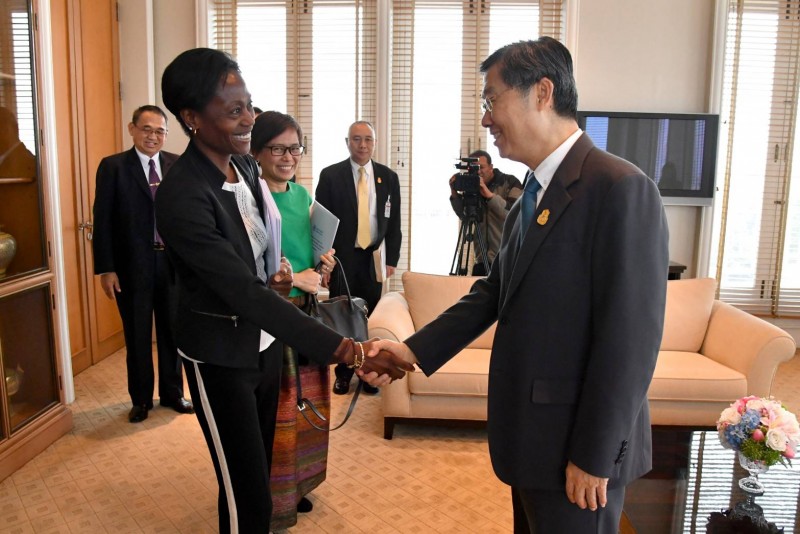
578	292
365	196
129	257
498	192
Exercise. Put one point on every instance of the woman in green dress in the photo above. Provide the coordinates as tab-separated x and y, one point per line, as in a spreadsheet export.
300	452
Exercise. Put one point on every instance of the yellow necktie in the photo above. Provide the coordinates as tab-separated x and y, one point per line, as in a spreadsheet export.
363	236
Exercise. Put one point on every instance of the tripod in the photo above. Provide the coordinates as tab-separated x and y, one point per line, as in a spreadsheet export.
470	228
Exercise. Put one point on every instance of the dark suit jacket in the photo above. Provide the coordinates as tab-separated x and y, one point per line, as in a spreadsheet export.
124	219
222	304
580	312
337	193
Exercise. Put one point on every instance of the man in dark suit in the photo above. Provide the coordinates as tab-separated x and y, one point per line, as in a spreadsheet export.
365	196
129	257
578	290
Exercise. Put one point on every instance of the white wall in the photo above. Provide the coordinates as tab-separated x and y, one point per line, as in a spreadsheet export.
151	34
175	30
649	56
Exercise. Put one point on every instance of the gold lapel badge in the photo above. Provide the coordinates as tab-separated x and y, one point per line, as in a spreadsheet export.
379	180
542	219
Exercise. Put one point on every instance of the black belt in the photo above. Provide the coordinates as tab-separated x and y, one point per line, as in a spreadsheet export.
158	246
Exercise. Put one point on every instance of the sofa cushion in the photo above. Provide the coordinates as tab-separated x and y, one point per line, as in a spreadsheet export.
465	375
689	376
688	310
428	295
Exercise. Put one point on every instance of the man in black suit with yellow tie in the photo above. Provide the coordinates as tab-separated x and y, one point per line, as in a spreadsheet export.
578	291
129	257
365	196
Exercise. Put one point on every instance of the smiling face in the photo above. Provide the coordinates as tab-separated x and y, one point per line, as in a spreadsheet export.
361	142
278	170
148	133
486	170
511	119
223	127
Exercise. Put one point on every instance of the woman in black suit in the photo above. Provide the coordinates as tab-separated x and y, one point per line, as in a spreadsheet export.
230	323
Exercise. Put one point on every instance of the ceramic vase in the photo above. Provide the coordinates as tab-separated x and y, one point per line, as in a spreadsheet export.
8	248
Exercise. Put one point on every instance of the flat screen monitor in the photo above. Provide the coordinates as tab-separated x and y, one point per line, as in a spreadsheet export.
678	151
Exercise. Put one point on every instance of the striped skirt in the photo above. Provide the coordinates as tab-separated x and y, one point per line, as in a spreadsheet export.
299	452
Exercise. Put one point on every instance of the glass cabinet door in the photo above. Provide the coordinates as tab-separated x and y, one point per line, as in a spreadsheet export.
27	355
21	229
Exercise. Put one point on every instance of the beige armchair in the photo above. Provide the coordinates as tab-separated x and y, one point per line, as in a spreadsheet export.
711	354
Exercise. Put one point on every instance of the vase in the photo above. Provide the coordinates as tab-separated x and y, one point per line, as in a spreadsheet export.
751	484
8	248
752	488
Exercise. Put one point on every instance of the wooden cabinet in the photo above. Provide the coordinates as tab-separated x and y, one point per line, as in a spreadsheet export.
33	413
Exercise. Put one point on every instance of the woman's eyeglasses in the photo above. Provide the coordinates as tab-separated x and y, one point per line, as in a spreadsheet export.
277	150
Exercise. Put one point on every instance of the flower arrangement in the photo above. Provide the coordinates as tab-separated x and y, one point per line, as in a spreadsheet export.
761	429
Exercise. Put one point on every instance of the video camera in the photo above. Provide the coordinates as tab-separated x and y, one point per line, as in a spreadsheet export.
468	183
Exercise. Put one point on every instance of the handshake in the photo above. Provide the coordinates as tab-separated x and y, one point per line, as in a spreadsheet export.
377	361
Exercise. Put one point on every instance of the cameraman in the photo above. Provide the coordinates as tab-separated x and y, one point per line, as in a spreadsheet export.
498	193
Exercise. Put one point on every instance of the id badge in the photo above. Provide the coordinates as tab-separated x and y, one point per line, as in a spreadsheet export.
387	210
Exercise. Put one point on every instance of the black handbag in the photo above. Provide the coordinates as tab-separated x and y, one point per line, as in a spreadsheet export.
345	314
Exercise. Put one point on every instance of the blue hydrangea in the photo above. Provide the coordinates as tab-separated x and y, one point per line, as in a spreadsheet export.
735	434
750	420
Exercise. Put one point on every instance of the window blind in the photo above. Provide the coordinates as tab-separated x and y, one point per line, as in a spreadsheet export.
328	67
758	225
437	47
16	71
286	48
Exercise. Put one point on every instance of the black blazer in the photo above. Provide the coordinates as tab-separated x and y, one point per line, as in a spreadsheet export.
337	193
124	219
222	304
580	311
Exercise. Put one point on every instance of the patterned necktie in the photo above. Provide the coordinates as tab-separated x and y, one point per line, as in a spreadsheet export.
154	181
153	178
363	236
528	205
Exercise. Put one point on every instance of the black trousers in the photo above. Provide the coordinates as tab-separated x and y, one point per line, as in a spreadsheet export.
550	512
361	279
237	409
137	308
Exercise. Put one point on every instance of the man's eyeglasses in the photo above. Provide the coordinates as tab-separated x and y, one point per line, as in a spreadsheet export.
487	102
277	150
147	131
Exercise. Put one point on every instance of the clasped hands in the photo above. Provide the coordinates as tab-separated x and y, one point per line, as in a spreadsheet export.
374	365
385	360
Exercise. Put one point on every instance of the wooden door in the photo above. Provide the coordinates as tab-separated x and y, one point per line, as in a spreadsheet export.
86	73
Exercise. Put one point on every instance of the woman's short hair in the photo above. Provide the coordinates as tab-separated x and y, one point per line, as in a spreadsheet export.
193	78
270	125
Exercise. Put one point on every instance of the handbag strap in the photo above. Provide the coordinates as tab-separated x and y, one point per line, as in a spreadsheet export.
303	404
341	278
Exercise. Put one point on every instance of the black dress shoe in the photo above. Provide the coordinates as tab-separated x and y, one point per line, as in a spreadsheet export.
341	386
138	414
369	390
304	506
180	405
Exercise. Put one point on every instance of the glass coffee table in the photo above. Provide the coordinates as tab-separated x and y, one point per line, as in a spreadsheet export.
694	477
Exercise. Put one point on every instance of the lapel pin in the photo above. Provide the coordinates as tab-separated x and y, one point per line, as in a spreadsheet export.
379	180
542	219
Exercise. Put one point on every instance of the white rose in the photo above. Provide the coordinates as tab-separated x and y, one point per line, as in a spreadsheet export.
729	415
776	440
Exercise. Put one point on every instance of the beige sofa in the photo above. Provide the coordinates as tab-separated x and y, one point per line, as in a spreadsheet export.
711	354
